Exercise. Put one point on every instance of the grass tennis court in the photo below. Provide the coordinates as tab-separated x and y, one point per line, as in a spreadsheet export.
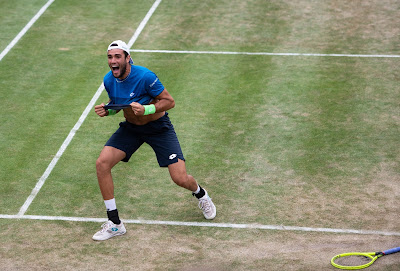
303	135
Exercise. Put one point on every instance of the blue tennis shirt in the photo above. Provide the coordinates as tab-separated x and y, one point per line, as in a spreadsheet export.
141	86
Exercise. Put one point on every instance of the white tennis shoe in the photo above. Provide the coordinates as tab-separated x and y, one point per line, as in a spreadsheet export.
109	229
207	206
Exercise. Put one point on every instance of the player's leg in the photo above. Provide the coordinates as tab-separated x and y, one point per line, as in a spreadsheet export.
180	177
108	158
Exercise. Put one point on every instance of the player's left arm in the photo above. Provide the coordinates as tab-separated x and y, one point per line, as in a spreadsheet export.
163	102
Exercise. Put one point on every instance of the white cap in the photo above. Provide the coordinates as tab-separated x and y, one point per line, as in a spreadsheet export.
119	44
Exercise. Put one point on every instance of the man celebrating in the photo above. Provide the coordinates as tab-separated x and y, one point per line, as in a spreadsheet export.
146	121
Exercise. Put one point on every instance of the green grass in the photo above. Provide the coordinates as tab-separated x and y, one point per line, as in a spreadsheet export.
281	140
14	15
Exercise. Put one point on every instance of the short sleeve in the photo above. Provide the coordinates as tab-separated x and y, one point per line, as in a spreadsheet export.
153	85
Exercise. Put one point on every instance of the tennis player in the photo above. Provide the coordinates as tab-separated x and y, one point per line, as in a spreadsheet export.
146	121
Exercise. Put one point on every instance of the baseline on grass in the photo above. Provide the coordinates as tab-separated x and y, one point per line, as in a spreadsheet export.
259	53
359	260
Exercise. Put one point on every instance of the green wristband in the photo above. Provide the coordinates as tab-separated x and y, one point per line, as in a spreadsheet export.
149	109
112	112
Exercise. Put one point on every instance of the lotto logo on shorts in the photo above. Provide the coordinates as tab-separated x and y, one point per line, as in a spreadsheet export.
172	156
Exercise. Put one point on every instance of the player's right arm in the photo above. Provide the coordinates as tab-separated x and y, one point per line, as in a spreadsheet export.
100	111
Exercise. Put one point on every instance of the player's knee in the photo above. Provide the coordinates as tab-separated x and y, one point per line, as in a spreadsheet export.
102	165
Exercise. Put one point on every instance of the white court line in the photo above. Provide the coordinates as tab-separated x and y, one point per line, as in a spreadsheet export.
25	29
258	53
206	224
85	113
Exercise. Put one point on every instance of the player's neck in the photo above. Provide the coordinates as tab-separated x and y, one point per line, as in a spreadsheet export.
126	74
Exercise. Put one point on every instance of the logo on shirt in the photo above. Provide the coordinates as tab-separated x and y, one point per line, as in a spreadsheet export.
155	81
132	94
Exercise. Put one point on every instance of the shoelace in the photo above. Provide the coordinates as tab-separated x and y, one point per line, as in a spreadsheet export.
205	205
105	226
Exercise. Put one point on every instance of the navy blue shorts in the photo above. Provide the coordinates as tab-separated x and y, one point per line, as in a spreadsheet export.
159	134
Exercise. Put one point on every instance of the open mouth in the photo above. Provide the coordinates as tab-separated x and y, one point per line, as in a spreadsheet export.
115	68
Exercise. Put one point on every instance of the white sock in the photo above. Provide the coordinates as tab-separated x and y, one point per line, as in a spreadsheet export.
198	189
110	204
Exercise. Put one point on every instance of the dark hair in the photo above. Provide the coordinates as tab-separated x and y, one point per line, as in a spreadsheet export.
115	44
